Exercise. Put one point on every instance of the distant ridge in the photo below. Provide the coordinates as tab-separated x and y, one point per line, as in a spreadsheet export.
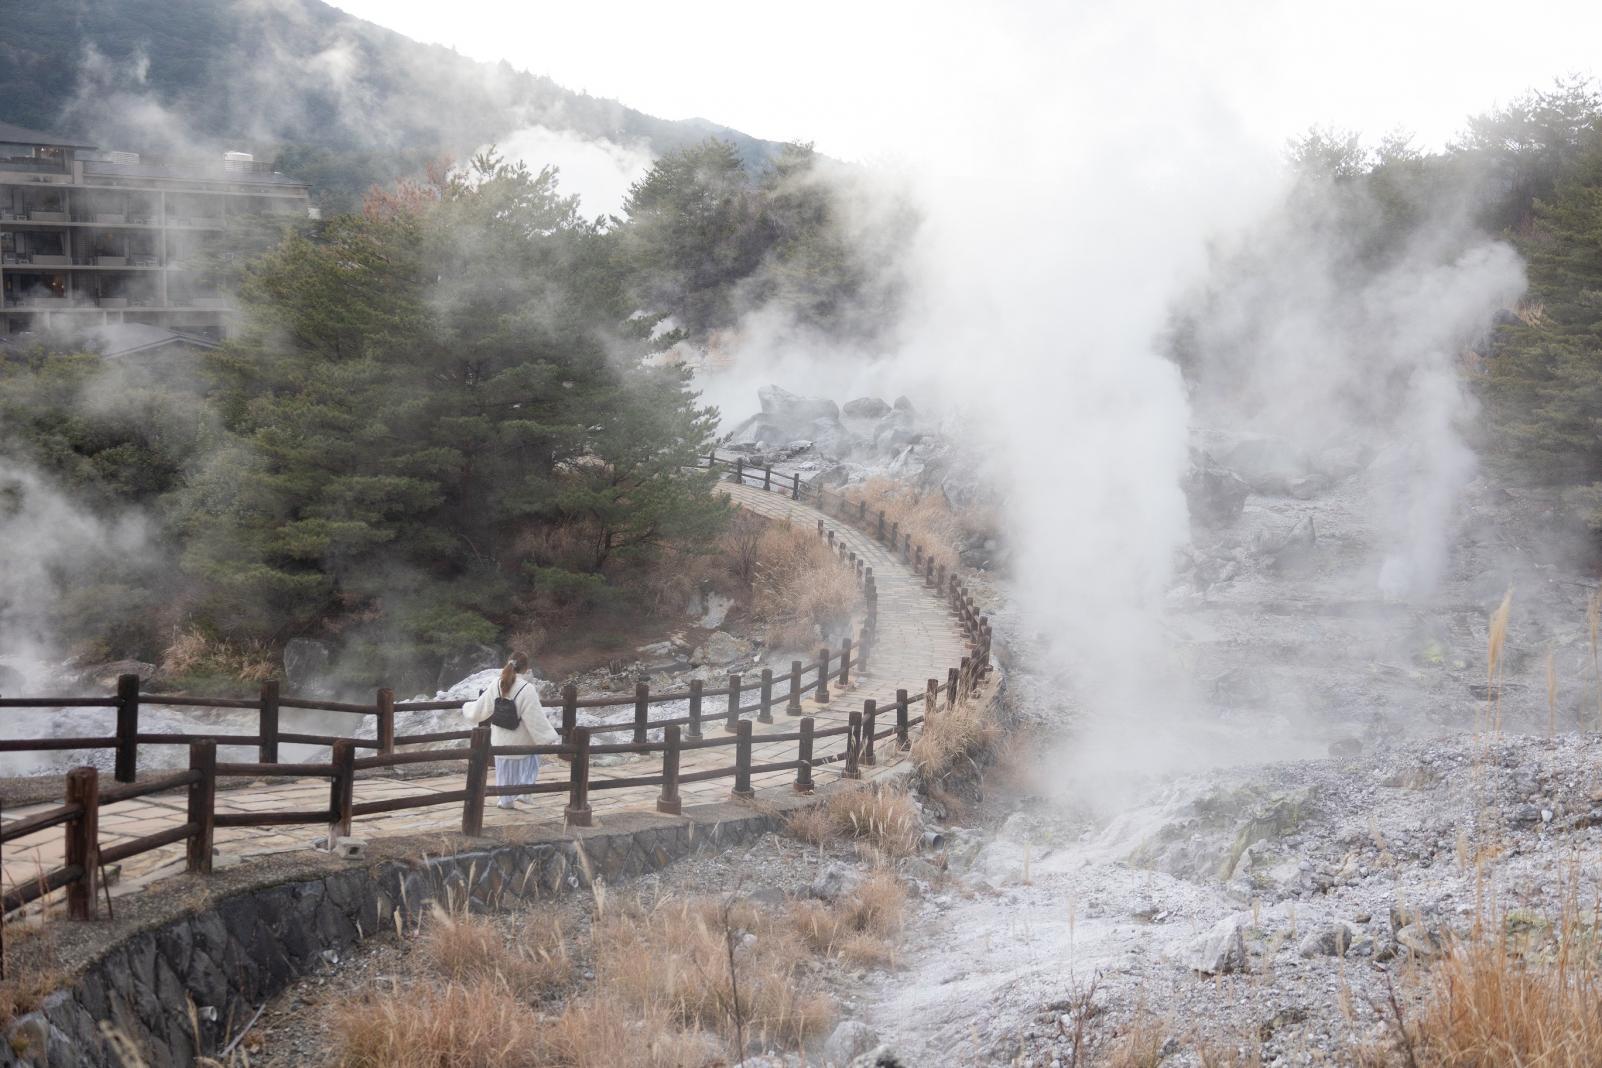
340	100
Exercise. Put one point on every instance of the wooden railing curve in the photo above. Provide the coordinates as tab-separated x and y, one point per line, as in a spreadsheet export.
79	814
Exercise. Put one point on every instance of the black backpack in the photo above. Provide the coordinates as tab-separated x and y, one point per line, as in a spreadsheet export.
505	715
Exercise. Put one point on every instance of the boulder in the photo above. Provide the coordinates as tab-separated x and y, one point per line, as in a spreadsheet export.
1220	950
833	883
1418	940
466	661
1332	940
782	406
866	408
1267	464
879	1057
1214	494
105	675
850	1039
306	661
721	648
902	404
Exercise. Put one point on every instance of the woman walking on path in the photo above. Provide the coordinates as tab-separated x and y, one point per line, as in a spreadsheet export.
519	697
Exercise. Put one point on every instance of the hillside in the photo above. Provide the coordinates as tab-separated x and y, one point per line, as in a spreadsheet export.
340	101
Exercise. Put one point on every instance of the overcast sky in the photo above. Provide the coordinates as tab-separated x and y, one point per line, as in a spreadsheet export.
865	78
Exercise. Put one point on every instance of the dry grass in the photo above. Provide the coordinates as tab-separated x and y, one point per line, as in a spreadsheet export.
860	926
477	1025
799	587
604	1032
1139	1046
949	737
928	517
1488	1005
1497	637
687	946
885	818
468	949
194	654
812	824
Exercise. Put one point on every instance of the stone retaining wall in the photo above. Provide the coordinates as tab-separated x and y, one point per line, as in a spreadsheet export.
229	958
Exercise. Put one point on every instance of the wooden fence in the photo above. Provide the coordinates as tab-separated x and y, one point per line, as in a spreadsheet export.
878	721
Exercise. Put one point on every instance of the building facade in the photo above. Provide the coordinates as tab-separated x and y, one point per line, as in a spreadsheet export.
91	237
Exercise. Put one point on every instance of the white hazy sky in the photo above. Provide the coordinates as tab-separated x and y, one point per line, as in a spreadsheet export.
856	77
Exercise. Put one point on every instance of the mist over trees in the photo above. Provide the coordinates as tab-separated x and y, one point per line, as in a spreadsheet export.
1528	174
436	426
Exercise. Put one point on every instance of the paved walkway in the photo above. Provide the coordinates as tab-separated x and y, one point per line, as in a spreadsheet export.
918	639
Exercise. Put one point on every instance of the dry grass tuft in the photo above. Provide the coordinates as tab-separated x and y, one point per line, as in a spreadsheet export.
468	948
601	1032
1489	1006
481	1025
860	926
799	587
192	653
1497	638
928	517
886	818
812	824
1139	1046
687	945
950	736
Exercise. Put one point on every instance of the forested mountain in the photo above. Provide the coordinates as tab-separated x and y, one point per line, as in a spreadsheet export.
336	100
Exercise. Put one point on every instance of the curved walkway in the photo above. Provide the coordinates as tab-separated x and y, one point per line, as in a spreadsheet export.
918	639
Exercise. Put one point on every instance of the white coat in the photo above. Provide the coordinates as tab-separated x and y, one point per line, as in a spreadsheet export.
535	729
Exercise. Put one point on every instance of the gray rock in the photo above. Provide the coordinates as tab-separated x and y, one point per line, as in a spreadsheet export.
834	882
1333	940
902	404
306	661
851	1039
866	408
1418	940
1220	950
721	649
879	1057
1266	464
1215	495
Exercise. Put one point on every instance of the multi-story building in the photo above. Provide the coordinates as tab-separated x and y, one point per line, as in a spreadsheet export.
91	237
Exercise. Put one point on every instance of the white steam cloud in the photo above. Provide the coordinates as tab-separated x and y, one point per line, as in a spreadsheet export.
599	172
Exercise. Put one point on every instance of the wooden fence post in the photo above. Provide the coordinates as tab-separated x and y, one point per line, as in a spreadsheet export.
803	759
642	711
903	733
739	471
845	663
669	801
931	699
126	767
694	733
267	747
940	577
202	804
870	716
577	812
951	688
929	571
917	560
895	535
731	721
742	764
765	710
853	747
341	792
478	762
767	478
795	494
862	511
820	528
569	712
83	841
792	706
863	641
822	694
879	534
385	704
965	673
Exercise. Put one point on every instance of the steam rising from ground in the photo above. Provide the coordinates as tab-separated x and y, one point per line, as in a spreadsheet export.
1068	207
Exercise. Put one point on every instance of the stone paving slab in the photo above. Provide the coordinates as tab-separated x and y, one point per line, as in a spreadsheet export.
918	639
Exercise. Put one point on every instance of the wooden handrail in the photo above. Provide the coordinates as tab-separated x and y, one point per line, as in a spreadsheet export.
79	816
